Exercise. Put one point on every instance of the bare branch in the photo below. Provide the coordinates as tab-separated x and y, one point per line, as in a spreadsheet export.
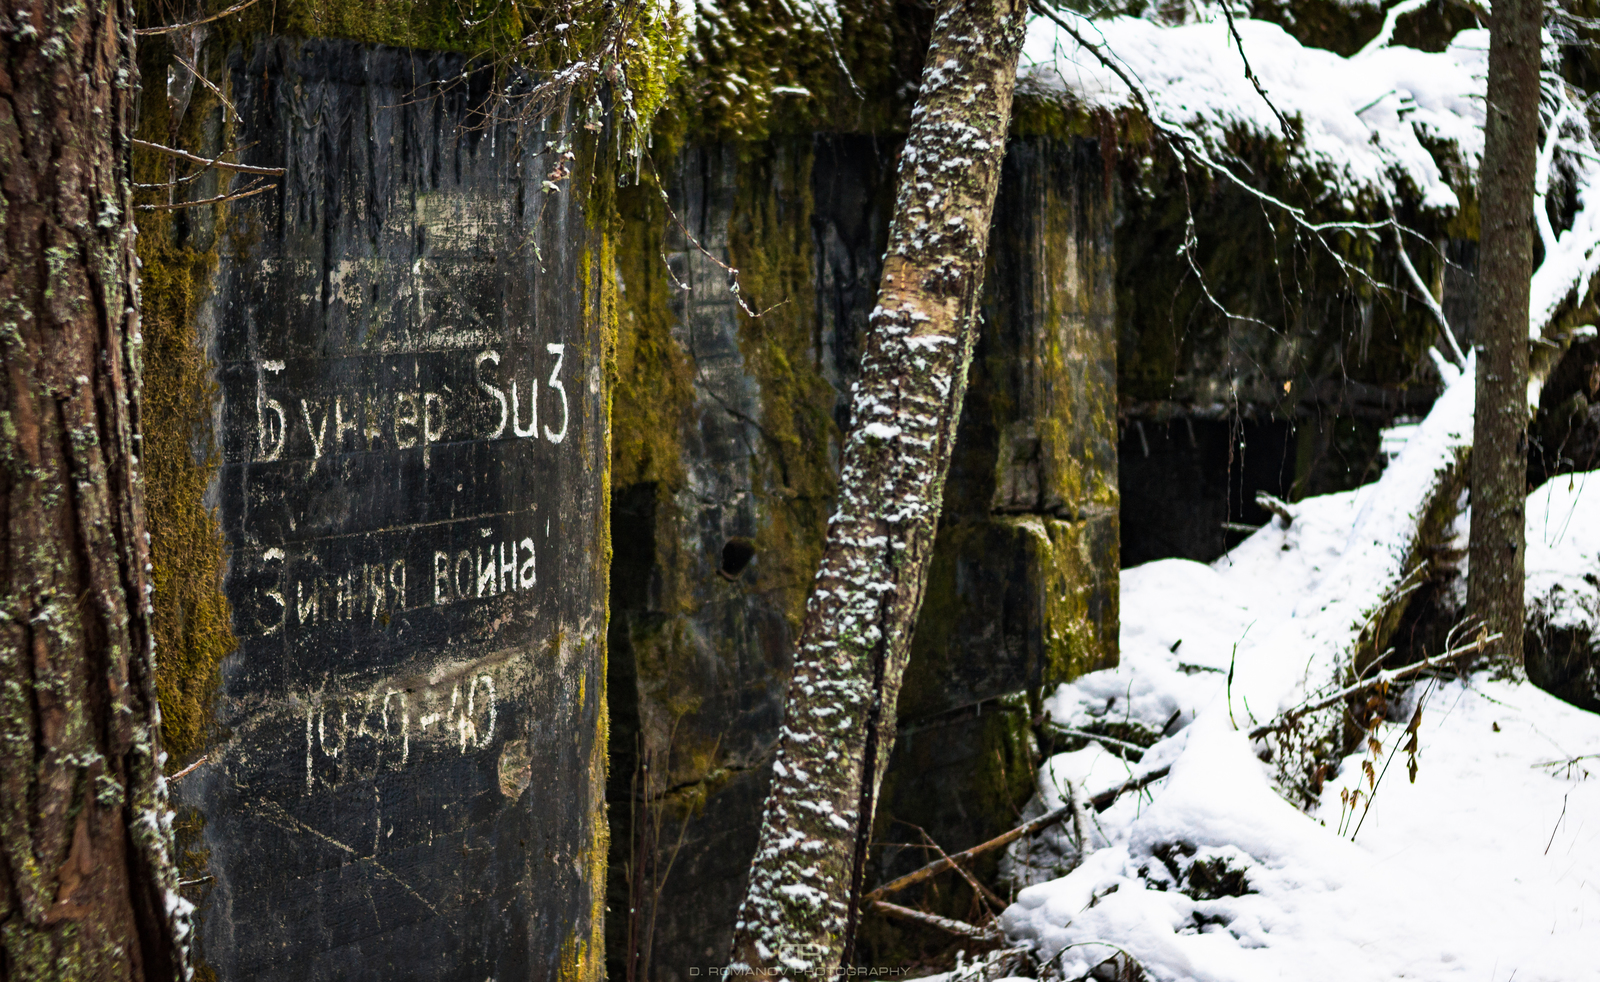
186	770
1390	19
1382	678
961	928
1100	737
219	164
995	903
1541	174
1190	149
1260	89
1277	506
1459	358
206	82
178	205
1105	799
1101	802
168	29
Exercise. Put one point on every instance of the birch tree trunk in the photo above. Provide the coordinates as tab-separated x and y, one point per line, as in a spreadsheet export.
86	884
1505	268
798	913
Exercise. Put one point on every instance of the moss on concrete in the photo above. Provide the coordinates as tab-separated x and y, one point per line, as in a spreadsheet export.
1074	560
770	243
758	69
600	316
178	254
653	387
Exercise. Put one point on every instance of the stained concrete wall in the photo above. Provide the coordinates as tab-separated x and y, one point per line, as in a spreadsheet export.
404	771
745	418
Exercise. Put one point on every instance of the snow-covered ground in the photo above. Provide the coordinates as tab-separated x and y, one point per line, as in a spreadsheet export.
1485	867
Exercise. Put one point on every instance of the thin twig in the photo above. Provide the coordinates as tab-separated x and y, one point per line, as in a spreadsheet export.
995	903
1382	678
1260	90
207	83
168	29
219	164
1559	817
960	928
208	201
1099	737
197	174
733	274
191	767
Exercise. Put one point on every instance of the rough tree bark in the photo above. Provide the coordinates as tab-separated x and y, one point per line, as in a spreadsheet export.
1505	268
798	913
86	883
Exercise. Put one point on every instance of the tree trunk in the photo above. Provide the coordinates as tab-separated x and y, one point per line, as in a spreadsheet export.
1505	267
86	883
799	909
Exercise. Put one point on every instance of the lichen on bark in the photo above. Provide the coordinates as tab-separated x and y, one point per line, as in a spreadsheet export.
798	910
87	889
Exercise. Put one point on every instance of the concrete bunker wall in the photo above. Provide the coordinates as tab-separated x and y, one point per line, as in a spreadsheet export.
728	428
402	775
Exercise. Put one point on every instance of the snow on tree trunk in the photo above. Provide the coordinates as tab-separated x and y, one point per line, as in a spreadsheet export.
798	914
1505	268
87	891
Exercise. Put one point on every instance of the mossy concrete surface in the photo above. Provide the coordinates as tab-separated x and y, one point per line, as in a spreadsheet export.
382	582
727	433
723	434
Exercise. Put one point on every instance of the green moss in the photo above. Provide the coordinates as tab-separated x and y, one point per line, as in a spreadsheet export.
1044	574
1081	610
599	316
763	68
653	387
770	244
193	621
440	25
581	960
57	956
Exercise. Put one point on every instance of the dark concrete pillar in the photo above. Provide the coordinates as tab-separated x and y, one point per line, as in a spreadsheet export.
409	746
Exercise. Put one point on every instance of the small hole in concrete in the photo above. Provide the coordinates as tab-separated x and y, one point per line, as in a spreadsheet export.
736	555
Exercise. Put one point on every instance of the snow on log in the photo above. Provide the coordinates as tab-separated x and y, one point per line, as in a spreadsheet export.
1340	625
